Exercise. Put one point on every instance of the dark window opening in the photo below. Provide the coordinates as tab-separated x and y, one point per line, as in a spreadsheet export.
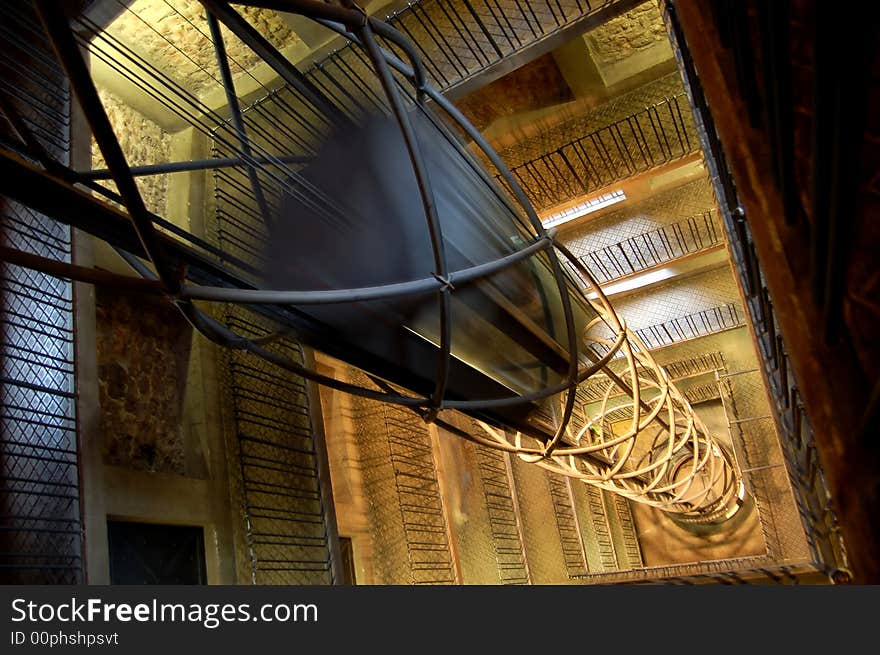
148	553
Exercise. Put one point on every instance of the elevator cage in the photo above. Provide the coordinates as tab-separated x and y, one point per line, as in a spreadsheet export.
390	245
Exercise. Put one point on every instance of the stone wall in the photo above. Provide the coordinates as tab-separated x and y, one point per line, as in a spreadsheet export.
628	34
142	354
174	37
142	142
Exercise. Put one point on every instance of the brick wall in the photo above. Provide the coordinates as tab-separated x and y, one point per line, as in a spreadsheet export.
142	142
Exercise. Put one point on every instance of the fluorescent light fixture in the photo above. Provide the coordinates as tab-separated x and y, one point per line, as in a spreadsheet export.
588	207
636	282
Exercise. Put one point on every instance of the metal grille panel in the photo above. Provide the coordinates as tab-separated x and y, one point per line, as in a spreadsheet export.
656	135
745	402
421	510
567	525
601	528
408	526
630	546
40	529
741	571
284	509
503	520
643	251
391	562
541	541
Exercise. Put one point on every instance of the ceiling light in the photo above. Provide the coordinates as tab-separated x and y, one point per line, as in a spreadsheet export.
588	207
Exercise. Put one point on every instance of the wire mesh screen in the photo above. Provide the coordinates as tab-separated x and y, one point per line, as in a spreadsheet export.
40	531
567	525
283	503
741	571
386	527
802	464
421	511
745	400
642	251
407	523
629	552
504	520
540	537
599	502
658	134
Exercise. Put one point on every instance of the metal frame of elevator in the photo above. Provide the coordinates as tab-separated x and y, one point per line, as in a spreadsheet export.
198	271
